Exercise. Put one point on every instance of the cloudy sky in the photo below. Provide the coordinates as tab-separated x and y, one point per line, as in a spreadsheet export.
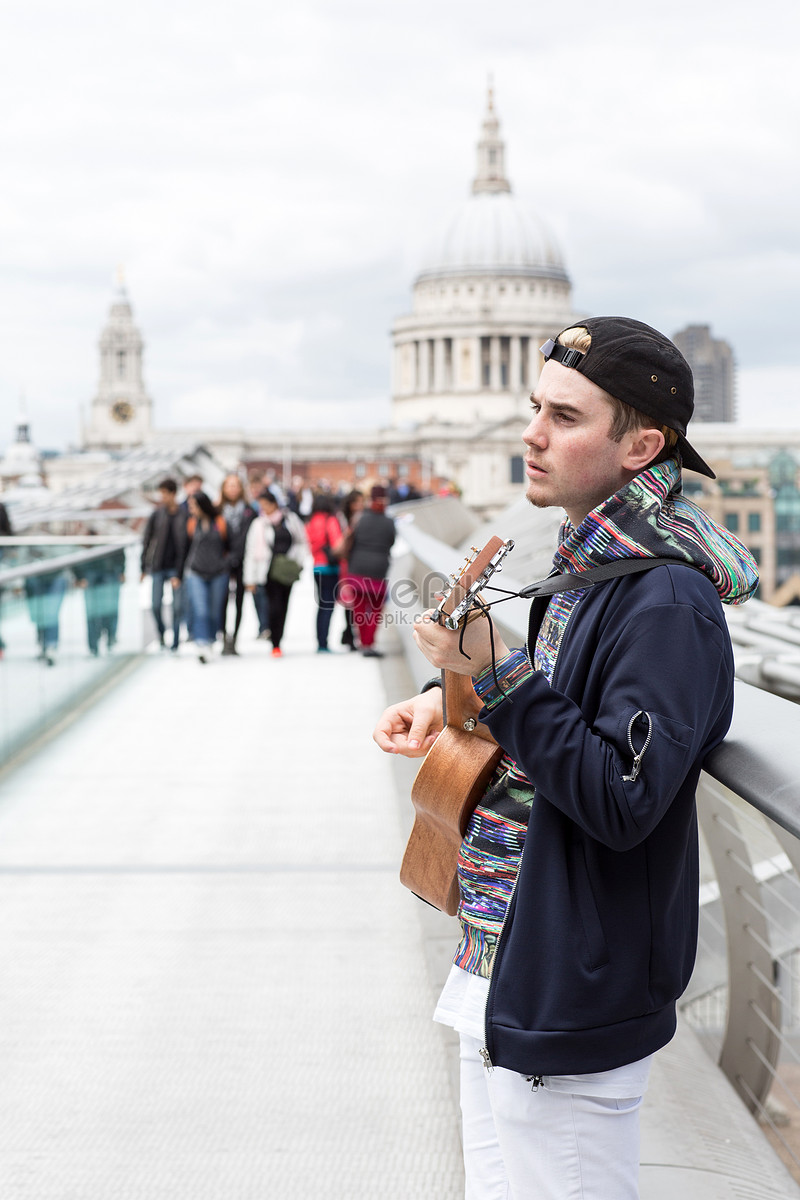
269	176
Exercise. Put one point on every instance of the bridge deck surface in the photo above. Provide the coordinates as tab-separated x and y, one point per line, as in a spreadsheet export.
214	985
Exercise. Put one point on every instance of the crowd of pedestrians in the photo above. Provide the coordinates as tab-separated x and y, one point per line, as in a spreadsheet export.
204	555
257	538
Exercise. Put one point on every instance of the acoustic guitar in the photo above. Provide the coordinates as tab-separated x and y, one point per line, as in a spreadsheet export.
455	772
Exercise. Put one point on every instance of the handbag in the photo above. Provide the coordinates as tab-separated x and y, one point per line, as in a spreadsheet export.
284	569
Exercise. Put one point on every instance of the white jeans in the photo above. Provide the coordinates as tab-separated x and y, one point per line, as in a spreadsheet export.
543	1145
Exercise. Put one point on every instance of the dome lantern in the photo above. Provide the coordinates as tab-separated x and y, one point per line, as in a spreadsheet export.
491	174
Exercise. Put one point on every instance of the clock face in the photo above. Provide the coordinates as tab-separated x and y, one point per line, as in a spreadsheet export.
122	411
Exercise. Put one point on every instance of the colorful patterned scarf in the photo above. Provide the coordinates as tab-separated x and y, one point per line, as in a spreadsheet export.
649	518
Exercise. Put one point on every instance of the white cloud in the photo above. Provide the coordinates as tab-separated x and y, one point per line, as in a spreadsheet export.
268	177
769	397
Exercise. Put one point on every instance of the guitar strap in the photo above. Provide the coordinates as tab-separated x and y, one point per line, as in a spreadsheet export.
541	591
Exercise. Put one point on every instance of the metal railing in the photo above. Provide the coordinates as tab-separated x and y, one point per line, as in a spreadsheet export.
743	1001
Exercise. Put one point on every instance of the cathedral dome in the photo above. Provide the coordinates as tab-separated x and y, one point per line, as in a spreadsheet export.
493	233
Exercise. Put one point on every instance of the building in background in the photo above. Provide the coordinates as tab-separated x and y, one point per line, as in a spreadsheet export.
121	414
22	464
488	293
784	477
714	371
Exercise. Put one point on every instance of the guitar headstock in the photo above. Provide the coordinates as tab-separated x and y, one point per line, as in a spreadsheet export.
465	584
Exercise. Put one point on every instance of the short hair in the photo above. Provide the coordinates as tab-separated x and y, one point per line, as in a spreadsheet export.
193	479
168	485
267	495
624	417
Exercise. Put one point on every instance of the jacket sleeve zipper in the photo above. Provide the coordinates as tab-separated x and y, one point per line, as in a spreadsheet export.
638	755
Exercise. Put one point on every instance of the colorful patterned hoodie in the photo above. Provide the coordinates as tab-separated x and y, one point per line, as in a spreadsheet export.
648	518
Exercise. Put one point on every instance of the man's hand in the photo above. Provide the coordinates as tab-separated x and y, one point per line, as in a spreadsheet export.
441	646
411	727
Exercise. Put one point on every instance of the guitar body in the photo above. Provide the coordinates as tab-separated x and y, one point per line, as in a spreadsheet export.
455	773
446	791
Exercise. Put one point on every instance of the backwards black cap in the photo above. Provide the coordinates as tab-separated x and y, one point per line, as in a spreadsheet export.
641	367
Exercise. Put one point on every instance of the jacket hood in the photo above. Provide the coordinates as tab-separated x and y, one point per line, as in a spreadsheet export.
650	518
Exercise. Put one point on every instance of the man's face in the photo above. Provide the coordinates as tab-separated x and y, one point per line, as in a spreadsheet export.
571	461
166	497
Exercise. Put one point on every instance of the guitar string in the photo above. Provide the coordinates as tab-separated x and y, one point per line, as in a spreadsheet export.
483	610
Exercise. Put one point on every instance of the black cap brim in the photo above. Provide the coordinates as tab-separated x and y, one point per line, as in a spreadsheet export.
691	460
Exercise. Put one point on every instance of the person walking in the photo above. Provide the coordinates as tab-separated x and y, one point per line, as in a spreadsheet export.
352	508
207	570
164	547
101	580
326	540
275	551
578	870
238	516
5	531
192	484
365	587
44	595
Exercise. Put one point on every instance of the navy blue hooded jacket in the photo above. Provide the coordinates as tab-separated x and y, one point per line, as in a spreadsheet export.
601	934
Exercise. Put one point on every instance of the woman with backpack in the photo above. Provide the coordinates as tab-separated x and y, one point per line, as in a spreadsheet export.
206	571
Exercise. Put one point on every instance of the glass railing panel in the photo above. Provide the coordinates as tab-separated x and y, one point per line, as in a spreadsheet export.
63	630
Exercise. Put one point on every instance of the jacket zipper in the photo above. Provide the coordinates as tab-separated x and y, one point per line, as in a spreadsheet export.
534	1080
484	1050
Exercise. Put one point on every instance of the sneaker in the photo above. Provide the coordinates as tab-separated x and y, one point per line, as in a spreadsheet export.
371	652
228	646
277	652
324	650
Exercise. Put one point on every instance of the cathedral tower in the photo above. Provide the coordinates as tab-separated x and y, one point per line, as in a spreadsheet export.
121	413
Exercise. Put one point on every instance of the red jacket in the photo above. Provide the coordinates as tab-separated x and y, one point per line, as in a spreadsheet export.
323	530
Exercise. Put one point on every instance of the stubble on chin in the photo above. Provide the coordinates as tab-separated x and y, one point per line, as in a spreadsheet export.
537	501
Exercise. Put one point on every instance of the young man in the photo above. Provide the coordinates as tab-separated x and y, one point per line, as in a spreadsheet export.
579	871
164	546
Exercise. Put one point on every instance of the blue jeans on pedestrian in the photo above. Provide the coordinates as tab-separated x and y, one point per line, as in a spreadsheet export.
325	582
205	598
160	578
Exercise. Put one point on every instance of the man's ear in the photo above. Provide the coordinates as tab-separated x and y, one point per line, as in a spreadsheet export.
645	445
